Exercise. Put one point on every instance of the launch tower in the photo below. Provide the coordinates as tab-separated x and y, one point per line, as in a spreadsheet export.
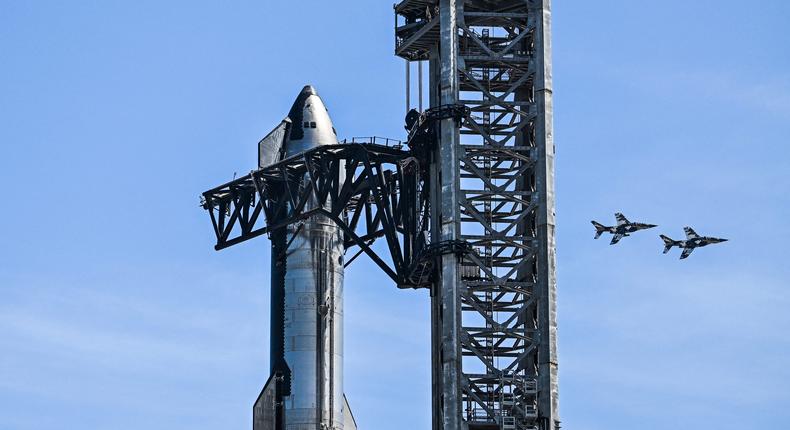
466	208
492	187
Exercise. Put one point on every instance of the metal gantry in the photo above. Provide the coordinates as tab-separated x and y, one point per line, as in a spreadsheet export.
478	175
492	188
382	196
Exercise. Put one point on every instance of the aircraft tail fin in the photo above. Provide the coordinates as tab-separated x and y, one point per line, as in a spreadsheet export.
668	243
599	229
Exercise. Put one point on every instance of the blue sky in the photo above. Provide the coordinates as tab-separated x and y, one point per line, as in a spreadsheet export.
116	313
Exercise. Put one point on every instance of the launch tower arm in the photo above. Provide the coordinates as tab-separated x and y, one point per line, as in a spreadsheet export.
381	197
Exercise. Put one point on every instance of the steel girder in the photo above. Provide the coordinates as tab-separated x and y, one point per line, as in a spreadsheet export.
382	196
502	205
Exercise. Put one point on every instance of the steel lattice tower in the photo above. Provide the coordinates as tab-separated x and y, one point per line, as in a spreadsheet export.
492	187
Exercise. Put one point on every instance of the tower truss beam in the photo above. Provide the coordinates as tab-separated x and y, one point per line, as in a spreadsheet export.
381	197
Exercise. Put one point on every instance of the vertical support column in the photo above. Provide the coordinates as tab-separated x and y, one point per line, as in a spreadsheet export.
546	288
408	85
436	294
449	218
419	85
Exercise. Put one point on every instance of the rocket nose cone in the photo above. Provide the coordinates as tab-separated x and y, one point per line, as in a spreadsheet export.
312	126
309	90
301	100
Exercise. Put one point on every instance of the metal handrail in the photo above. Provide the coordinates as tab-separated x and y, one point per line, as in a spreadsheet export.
376	140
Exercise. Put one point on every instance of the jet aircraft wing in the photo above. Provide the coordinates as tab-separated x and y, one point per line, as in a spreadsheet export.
690	233
616	238
686	253
621	219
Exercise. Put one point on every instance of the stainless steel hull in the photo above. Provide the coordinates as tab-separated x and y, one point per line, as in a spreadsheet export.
307	293
313	326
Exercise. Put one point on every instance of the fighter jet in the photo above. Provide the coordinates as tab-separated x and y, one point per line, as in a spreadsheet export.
621	230
693	241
